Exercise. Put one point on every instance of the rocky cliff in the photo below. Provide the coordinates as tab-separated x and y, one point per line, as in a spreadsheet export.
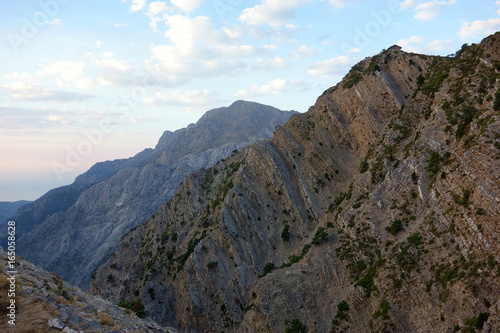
377	210
45	303
74	229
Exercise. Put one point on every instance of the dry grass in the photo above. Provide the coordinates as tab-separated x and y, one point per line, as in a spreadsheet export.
32	314
105	319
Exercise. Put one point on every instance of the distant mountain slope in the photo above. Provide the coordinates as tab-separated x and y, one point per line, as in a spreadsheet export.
9	209
75	229
62	198
377	210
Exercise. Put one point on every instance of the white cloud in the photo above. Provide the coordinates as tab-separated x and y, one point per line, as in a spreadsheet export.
106	70
67	74
429	10
334	66
246	50
113	71
337	4
409	44
268	64
479	28
276	86
284	34
178	98
119	25
353	50
137	5
196	49
19	76
185	31
186	5
98	43
271	12
107	59
55	21
157	7
31	92
407	3
439	45
498	4
303	52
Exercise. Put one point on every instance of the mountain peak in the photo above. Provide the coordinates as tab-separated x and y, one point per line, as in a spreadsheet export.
113	197
376	210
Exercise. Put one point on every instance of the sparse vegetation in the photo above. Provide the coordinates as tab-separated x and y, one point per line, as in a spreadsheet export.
134	305
268	268
295	326
285	234
341	314
395	226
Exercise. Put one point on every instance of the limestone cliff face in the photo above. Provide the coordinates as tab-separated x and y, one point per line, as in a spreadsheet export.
113	197
377	210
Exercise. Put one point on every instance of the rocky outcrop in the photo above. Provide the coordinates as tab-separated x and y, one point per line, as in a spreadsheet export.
45	303
78	232
377	210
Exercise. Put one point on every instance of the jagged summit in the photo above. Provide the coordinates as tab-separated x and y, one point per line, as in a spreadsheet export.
73	229
376	210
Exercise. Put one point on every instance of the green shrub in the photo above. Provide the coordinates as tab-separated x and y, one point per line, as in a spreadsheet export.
383	310
285	234
191	246
433	164
466	117
415	238
134	305
151	292
351	80
341	314
480	211
364	166
395	226
268	268
366	282
319	237
464	199
295	326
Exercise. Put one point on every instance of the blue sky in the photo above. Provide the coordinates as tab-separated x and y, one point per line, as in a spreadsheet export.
87	81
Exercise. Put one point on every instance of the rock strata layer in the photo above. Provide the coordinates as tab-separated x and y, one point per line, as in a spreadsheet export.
377	210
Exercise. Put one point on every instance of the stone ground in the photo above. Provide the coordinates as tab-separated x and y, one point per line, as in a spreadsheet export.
45	303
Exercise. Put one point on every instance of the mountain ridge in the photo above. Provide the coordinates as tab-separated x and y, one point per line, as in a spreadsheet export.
91	216
365	213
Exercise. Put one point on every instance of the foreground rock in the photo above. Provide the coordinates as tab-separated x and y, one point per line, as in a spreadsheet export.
46	303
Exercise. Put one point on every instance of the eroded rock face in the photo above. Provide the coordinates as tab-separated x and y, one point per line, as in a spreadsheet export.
377	209
44	302
113	197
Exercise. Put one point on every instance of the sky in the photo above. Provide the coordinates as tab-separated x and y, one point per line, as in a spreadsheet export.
89	81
